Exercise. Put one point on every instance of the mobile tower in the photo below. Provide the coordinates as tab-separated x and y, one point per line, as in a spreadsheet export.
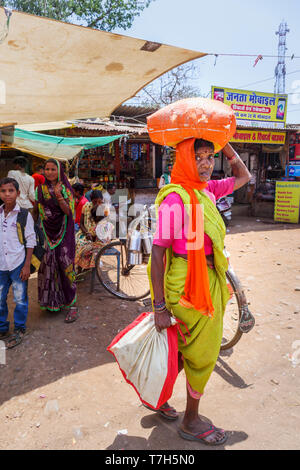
280	70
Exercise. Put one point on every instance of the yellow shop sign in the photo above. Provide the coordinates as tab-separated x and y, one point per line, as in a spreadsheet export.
259	137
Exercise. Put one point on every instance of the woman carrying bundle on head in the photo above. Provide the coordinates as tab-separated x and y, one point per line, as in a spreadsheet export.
188	268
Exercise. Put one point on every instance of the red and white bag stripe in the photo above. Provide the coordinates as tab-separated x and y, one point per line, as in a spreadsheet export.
148	359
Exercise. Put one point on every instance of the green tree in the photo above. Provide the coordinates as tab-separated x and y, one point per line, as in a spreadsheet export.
100	14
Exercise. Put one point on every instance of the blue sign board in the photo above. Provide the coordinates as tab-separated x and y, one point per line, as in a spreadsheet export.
294	170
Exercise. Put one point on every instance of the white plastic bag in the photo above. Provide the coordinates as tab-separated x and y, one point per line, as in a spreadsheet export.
148	359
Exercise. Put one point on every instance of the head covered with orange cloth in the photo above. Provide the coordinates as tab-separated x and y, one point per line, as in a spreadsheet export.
193	168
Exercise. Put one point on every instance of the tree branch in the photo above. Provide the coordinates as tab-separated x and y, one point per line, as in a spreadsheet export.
144	90
99	18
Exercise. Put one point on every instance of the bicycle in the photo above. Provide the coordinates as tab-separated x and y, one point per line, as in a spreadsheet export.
120	276
121	271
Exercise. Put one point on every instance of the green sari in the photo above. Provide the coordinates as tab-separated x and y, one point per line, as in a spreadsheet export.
201	348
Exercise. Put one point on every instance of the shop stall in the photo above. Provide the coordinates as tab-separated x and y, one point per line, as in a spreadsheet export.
265	153
133	163
37	146
128	159
125	164
260	139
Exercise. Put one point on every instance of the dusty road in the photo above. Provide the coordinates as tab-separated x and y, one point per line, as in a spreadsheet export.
60	389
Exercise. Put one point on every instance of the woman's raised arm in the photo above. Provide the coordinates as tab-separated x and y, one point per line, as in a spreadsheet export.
239	169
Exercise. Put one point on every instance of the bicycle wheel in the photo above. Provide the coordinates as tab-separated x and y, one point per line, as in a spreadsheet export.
231	331
123	281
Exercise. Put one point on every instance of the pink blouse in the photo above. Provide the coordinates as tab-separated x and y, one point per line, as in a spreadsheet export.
173	219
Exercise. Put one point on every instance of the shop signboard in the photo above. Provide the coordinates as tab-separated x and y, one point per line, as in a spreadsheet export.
253	108
293	170
294	148
287	200
259	137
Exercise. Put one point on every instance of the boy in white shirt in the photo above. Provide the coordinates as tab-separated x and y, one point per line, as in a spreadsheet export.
14	262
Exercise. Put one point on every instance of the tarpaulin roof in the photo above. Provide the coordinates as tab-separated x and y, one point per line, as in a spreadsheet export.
62	148
55	71
112	126
45	126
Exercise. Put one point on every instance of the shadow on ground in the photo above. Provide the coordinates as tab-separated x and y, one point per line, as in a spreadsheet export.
54	349
164	436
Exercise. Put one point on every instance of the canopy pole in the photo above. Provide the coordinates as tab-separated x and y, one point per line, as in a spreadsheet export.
117	159
77	164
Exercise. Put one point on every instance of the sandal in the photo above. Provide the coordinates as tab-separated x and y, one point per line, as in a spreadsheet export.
247	320
163	410
72	315
200	437
16	338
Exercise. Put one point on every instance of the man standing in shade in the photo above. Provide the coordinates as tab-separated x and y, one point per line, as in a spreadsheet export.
25	182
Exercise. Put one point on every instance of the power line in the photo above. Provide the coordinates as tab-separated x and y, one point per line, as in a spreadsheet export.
261	81
253	55
267	79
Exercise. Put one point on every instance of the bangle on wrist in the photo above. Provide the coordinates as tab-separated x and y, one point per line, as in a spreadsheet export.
235	160
232	156
161	311
159	307
164	310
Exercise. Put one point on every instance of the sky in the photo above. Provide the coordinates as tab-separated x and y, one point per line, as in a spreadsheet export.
229	27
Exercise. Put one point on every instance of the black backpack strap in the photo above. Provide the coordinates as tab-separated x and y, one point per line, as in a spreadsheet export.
21	224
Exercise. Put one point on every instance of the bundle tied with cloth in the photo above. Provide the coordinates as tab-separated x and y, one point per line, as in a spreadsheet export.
140	356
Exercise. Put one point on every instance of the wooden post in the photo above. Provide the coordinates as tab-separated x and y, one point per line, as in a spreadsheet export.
117	159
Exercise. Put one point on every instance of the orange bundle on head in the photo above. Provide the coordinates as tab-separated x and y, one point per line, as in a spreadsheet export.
201	118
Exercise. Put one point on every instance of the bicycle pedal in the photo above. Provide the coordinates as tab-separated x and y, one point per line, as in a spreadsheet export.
247	320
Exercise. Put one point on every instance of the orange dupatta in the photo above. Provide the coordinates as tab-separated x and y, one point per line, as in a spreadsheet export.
196	291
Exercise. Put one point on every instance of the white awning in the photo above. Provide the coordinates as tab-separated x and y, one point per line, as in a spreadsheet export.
45	126
55	71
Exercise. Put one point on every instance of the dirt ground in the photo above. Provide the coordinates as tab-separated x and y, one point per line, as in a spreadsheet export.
61	389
